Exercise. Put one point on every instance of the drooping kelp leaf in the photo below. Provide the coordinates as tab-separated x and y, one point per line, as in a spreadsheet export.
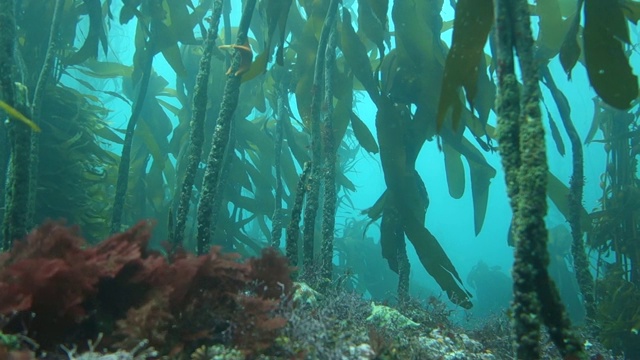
485	97
555	134
364	136
165	41
95	37
373	27
104	69
276	14
631	10
553	27
454	171
607	65
598	117
472	23
129	10
481	175
414	37
570	49
480	172
356	54
558	192
406	196
181	22
437	263
258	67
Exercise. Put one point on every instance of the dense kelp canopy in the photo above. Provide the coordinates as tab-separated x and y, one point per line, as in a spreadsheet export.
228	121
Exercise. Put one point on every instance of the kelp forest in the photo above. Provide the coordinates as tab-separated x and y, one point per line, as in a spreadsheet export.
179	179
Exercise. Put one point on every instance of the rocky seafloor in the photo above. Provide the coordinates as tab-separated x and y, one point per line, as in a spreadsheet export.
341	325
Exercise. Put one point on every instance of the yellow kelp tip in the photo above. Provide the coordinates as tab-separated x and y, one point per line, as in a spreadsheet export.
18	115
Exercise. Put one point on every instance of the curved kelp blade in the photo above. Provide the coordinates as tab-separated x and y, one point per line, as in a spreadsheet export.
364	136
356	54
472	24
605	31
406	203
454	170
480	173
15	114
96	36
570	49
559	195
437	263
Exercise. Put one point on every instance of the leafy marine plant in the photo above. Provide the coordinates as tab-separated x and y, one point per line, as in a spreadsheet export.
55	289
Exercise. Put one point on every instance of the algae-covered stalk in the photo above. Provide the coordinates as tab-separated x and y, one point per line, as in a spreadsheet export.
329	166
293	229
196	132
220	139
576	187
313	193
521	144
15	220
36	107
282	114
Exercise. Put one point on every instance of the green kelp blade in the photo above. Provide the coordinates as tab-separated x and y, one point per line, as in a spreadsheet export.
559	195
437	263
363	134
13	113
276	14
356	54
454	171
407	198
631	10
472	24
553	27
605	31
480	172
95	36
570	49
555	134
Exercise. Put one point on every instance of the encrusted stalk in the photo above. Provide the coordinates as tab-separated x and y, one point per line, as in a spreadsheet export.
196	131
293	230
282	114
576	189
125	158
220	138
329	166
314	183
535	295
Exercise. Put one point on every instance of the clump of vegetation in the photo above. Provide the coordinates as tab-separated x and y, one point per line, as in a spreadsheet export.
56	290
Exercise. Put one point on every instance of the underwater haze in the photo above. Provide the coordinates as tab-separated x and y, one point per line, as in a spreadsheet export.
319	179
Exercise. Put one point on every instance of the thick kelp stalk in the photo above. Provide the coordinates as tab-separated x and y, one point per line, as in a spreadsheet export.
576	189
521	144
46	73
125	158
15	220
196	132
329	165
220	138
293	230
314	181
282	115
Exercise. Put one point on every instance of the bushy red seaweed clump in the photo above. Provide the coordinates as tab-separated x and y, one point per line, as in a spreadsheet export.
56	289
